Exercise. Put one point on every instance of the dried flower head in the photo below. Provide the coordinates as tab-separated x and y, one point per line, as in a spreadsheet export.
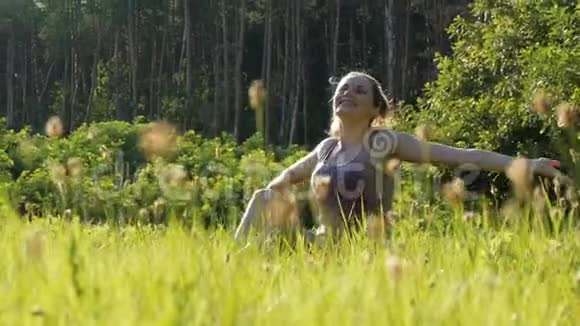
282	210
542	101
34	244
91	133
321	185
54	127
394	267
144	214
173	175
376	228
423	132
567	115
519	173
539	200
257	94
392	166
74	165
159	139
57	173
454	191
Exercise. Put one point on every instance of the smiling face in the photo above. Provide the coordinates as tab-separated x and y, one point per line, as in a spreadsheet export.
354	99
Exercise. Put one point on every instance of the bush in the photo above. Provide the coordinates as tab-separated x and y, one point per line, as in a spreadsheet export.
100	173
513	63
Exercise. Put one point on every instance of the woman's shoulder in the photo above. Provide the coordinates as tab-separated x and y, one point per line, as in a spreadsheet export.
325	146
381	142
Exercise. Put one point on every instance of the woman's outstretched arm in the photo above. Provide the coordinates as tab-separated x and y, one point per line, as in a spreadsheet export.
302	169
410	148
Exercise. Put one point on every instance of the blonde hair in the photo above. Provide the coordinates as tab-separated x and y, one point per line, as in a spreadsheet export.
379	99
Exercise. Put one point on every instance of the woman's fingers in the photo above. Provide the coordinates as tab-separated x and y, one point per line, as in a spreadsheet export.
549	168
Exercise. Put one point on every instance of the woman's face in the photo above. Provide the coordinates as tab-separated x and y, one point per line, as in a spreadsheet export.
353	99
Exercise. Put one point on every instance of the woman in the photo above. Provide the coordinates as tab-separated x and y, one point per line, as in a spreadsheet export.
346	170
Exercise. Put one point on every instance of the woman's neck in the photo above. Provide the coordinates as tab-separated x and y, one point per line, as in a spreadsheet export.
353	134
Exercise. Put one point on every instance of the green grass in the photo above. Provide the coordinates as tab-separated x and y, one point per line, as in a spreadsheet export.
54	272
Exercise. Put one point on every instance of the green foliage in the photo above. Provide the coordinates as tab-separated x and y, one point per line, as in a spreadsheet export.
207	181
467	274
503	57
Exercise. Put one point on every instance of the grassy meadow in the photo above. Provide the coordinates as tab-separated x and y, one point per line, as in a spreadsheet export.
464	272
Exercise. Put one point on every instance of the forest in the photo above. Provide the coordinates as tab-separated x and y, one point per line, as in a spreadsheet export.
192	62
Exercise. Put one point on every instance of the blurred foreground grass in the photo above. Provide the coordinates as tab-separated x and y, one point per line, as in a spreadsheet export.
56	272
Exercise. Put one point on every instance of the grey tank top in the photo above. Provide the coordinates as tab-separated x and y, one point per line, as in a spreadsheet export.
356	187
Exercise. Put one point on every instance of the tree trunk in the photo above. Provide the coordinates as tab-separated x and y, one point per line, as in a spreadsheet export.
132	51
216	88
268	73
335	39
285	83
94	75
10	62
297	71
405	61
188	58
239	59
364	32
226	69
390	45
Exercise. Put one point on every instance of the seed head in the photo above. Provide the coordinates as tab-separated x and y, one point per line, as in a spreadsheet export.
542	102
423	132
54	127
34	245
159	139
454	191
567	115
173	175
392	166
321	185
394	267
57	173
519	173
257	94
74	166
376	228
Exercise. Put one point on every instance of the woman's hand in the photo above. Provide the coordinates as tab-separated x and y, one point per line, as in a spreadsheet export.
548	168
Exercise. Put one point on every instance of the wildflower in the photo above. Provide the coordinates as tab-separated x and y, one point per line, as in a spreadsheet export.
454	191
158	140
144	214
257	94
158	208
423	132
394	267
57	173
282	209
392	166
28	152
520	175
34	245
375	228
91	133
321	187
470	216
541	102
567	115
539	200
174	175
54	127
74	166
